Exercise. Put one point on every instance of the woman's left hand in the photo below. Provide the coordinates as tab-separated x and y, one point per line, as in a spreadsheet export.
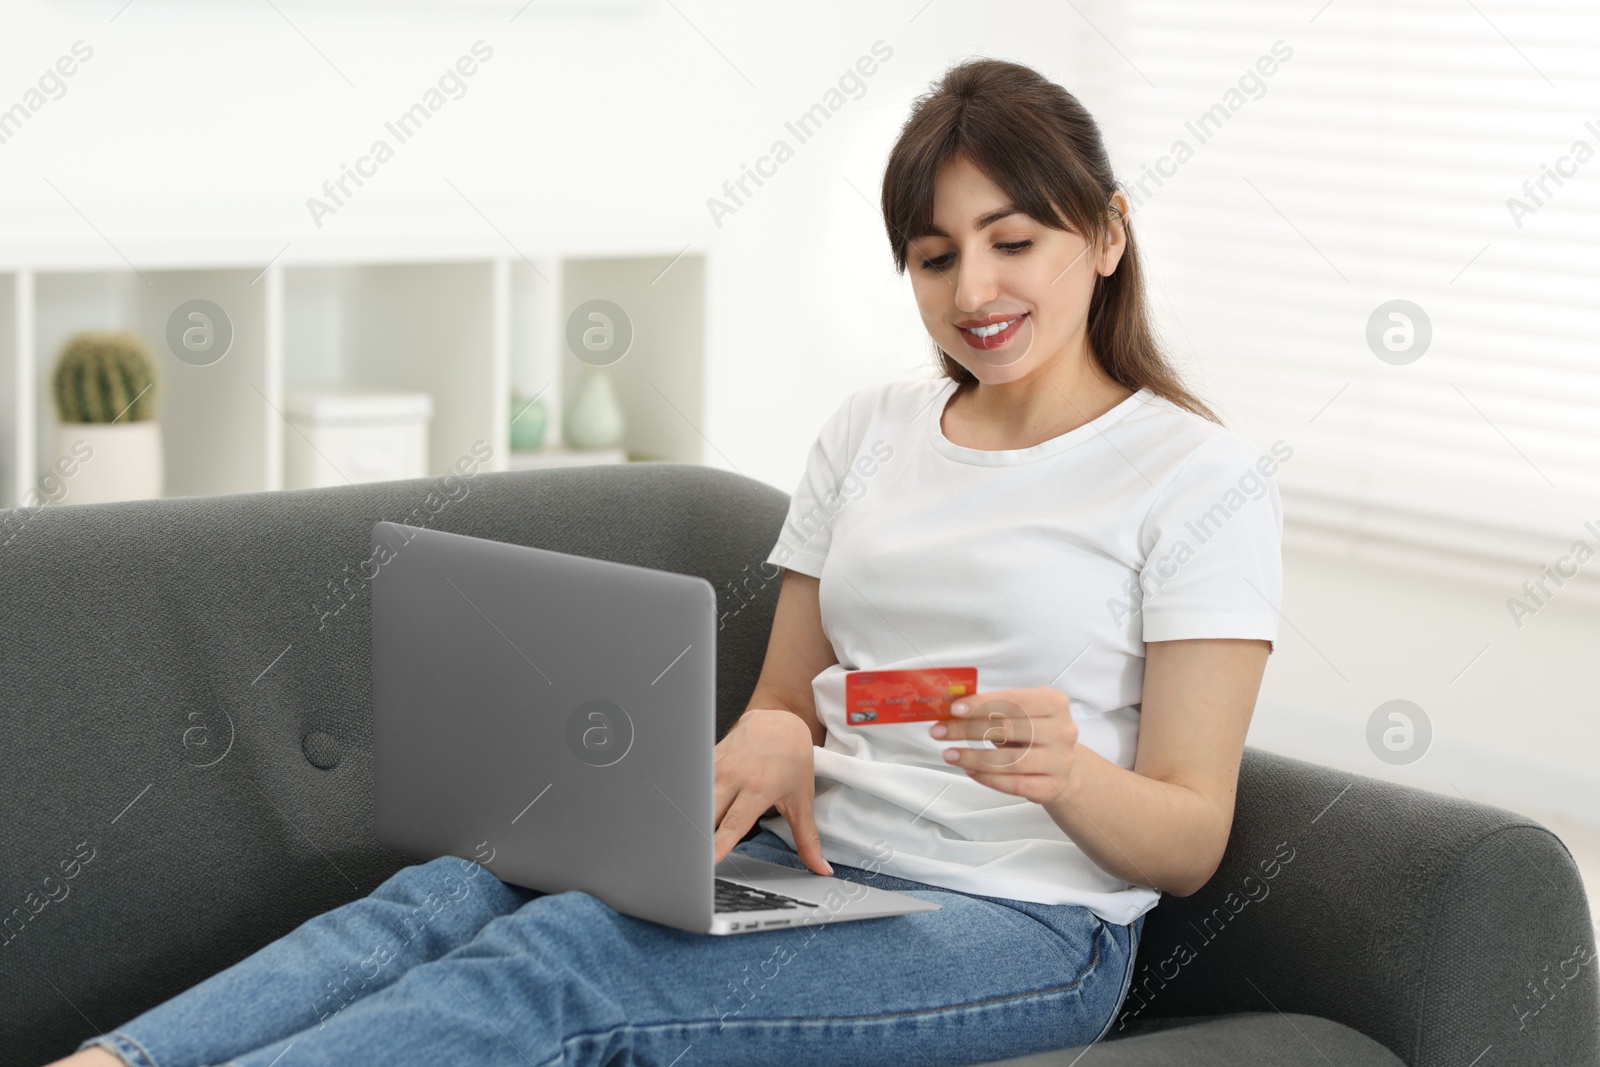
1034	735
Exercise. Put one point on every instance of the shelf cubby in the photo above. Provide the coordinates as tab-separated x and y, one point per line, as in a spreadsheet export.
659	383
414	327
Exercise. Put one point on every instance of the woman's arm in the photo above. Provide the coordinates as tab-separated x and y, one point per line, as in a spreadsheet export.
1165	823
797	651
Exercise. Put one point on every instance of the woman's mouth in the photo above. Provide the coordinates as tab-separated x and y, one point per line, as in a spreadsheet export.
994	334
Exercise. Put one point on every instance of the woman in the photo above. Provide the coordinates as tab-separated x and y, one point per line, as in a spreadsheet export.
1057	511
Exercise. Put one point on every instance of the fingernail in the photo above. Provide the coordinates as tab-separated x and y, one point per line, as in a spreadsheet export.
960	707
828	865
939	730
951	755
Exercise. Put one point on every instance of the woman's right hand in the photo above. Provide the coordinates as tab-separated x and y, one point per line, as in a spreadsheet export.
765	761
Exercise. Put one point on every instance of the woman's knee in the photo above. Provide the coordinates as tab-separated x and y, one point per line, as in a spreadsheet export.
572	920
445	874
427	889
444	901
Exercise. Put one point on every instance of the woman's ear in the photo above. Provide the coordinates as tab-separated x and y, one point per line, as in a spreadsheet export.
1116	235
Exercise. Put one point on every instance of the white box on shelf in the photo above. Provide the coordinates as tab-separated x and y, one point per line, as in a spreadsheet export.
342	435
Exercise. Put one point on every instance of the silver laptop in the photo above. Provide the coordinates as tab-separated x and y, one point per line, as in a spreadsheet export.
553	717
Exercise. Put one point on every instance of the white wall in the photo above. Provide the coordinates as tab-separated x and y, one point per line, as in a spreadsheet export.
223	114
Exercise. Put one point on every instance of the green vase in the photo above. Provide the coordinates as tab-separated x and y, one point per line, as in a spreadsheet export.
595	418
528	422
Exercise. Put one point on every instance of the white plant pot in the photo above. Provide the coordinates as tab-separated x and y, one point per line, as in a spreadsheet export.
98	462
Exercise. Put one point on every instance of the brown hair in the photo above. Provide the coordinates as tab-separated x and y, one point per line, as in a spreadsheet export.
1035	141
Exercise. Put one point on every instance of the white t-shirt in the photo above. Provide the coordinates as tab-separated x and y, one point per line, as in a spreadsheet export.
1042	566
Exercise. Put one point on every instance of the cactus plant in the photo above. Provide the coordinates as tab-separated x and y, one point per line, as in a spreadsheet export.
102	375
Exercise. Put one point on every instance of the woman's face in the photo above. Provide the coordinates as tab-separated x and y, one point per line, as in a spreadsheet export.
991	265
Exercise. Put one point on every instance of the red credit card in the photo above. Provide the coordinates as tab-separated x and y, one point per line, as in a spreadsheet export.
876	697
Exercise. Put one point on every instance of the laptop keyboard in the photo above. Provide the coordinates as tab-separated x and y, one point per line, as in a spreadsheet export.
731	896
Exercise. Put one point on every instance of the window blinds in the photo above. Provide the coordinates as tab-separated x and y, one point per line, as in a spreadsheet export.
1294	169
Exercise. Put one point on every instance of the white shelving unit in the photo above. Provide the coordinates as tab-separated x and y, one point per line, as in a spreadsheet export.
460	317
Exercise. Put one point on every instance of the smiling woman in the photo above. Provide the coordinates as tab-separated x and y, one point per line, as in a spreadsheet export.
1059	464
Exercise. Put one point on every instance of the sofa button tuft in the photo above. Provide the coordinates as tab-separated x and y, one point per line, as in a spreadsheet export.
321	749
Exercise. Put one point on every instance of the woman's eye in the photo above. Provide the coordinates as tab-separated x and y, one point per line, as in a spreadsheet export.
1010	248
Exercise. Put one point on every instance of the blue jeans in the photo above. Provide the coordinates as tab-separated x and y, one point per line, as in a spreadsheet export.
444	964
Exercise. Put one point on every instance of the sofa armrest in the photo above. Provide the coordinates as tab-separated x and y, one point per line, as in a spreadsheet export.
1438	926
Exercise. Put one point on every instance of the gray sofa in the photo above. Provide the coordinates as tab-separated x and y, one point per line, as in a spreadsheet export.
186	702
